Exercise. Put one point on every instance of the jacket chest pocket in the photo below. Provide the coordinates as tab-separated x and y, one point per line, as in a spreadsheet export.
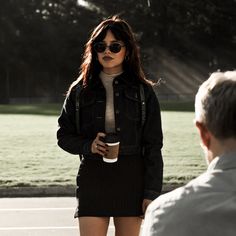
87	108
132	104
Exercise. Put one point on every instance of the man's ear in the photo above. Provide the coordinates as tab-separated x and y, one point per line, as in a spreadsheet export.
204	134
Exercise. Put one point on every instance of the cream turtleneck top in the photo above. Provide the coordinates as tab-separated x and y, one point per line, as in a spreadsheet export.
107	80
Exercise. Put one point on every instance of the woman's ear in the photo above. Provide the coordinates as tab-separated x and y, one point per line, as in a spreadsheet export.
204	133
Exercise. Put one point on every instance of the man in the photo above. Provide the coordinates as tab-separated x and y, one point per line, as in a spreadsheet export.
207	204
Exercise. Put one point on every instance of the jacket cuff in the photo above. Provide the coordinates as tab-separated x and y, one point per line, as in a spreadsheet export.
87	148
151	195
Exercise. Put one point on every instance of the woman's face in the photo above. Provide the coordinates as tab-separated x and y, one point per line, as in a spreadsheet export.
112	58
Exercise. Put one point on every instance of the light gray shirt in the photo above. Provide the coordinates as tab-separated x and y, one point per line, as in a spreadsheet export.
206	206
107	80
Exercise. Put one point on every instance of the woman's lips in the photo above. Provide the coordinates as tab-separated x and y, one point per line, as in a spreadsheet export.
107	58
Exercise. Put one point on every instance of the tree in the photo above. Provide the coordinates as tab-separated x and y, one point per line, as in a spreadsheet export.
41	44
41	41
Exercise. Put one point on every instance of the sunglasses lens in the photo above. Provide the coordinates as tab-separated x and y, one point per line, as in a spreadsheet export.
115	47
99	47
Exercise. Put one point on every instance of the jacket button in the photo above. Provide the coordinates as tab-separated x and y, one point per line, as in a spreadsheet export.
117	94
117	111
118	129
116	82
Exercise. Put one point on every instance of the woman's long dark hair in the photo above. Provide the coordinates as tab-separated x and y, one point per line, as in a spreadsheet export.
122	31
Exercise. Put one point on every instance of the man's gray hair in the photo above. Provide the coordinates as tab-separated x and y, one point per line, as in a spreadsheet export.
215	104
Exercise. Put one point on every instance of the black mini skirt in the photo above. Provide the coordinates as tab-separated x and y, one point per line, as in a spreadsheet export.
110	189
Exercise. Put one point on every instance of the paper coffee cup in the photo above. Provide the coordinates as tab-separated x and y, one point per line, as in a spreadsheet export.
113	148
113	151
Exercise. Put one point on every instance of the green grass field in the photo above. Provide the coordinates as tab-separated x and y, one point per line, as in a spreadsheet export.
29	155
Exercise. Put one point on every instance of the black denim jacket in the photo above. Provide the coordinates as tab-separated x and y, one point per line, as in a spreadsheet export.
135	140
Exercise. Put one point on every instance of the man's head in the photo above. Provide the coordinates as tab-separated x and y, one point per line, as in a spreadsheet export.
215	110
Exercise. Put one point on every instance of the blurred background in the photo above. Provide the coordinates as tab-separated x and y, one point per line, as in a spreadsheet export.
181	42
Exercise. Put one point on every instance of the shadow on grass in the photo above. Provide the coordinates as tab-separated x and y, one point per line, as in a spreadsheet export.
177	105
32	109
54	109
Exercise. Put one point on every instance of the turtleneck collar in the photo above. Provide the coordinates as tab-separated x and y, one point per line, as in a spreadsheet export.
104	75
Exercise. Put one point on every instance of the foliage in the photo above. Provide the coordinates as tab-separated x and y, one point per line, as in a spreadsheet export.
168	21
41	41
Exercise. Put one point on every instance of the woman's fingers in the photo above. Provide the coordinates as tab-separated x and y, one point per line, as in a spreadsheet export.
98	146
145	204
101	150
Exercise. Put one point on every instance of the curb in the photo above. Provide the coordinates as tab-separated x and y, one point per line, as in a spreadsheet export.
47	191
54	191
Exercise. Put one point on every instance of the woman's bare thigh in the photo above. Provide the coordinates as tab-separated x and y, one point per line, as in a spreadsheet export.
93	226
127	226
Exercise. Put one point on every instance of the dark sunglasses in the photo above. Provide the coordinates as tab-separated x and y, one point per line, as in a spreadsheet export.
113	47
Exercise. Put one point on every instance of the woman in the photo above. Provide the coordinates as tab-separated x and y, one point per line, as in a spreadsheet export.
110	102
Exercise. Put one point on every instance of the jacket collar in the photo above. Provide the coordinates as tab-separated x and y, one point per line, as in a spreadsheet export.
124	78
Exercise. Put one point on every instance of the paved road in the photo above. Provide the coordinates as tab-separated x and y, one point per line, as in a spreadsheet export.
39	217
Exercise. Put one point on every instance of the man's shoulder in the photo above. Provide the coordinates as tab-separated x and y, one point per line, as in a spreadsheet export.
168	199
182	197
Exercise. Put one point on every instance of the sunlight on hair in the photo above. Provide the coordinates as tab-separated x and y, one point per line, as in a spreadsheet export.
83	3
89	6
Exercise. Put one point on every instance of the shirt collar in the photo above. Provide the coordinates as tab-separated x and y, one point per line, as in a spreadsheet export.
225	161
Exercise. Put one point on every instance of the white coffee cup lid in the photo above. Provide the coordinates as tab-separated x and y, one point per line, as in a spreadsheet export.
110	160
112	144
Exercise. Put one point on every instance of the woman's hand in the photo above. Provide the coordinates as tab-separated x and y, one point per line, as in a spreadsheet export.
146	202
99	146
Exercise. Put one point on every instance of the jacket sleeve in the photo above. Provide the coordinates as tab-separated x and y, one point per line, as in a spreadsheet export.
152	144
67	136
